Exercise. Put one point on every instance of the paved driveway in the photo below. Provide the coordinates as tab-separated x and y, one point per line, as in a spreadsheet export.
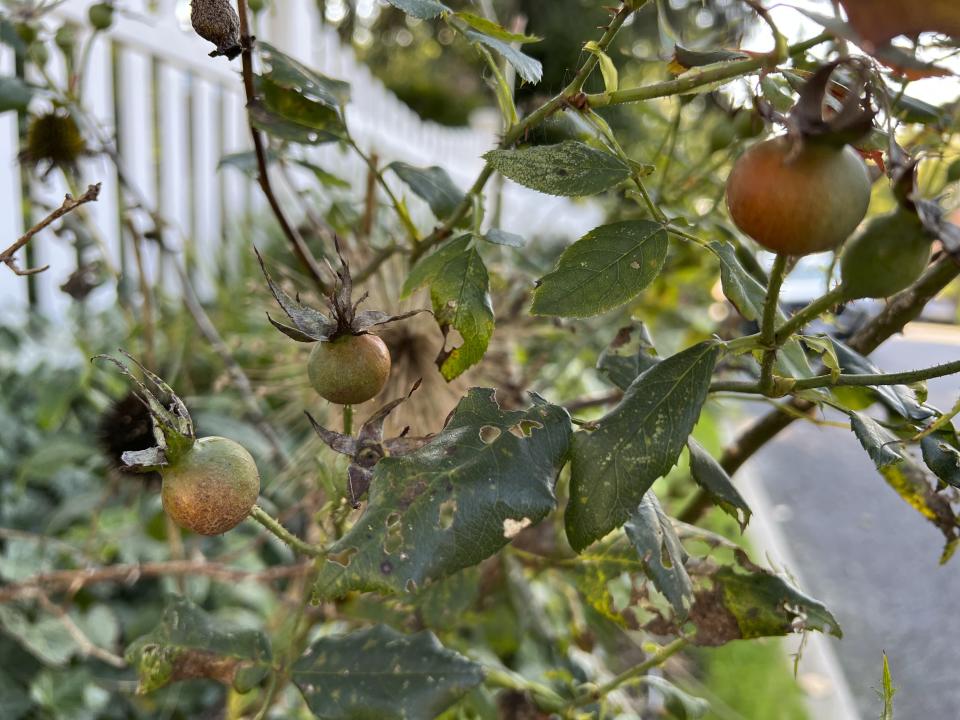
871	558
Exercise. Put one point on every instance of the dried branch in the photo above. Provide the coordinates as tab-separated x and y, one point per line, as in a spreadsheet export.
69	205
73	580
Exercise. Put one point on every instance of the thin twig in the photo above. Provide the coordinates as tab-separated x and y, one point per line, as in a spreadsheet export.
69	205
73	580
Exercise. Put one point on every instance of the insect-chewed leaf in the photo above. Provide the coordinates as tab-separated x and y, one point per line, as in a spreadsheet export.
379	673
602	270
630	353
311	325
454	501
659	548
188	644
711	476
637	442
432	184
569	168
460	294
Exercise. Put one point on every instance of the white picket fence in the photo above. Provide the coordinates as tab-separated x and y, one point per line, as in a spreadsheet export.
176	112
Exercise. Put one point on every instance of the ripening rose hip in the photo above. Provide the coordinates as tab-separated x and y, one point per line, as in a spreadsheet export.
350	369
212	488
798	200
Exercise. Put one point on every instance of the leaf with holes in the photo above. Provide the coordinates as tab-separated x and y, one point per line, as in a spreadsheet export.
635	443
379	673
711	476
569	168
460	293
630	353
660	551
455	501
602	270
189	644
432	184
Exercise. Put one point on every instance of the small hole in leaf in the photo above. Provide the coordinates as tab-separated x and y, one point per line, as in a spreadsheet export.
525	428
448	509
411	586
344	557
665	560
512	528
489	433
392	519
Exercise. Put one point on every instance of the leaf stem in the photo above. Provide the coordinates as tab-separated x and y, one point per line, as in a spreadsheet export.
546	697
653	661
398	207
273	525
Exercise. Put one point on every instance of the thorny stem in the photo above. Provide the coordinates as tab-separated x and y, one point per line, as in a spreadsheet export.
768	323
296	241
900	310
820	381
264	518
696	78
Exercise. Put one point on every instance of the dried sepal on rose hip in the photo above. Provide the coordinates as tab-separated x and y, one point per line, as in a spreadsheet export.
347	365
807	190
209	485
369	446
217	21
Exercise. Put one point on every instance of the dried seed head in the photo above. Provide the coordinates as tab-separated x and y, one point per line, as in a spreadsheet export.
217	21
55	140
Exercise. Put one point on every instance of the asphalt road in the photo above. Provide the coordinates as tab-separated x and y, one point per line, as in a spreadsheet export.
870	557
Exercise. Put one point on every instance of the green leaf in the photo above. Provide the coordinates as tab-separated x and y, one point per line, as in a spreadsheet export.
823	346
611	78
529	69
494	30
313	117
941	455
190	644
502	237
685	58
740	287
325	178
433	184
47	638
265	119
379	673
605	268
875	439
455	501
460	294
637	442
631	353
680	704
15	94
423	9
570	168
711	476
659	548
13	698
290	74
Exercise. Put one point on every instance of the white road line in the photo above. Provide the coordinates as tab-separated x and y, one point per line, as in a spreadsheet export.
821	676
